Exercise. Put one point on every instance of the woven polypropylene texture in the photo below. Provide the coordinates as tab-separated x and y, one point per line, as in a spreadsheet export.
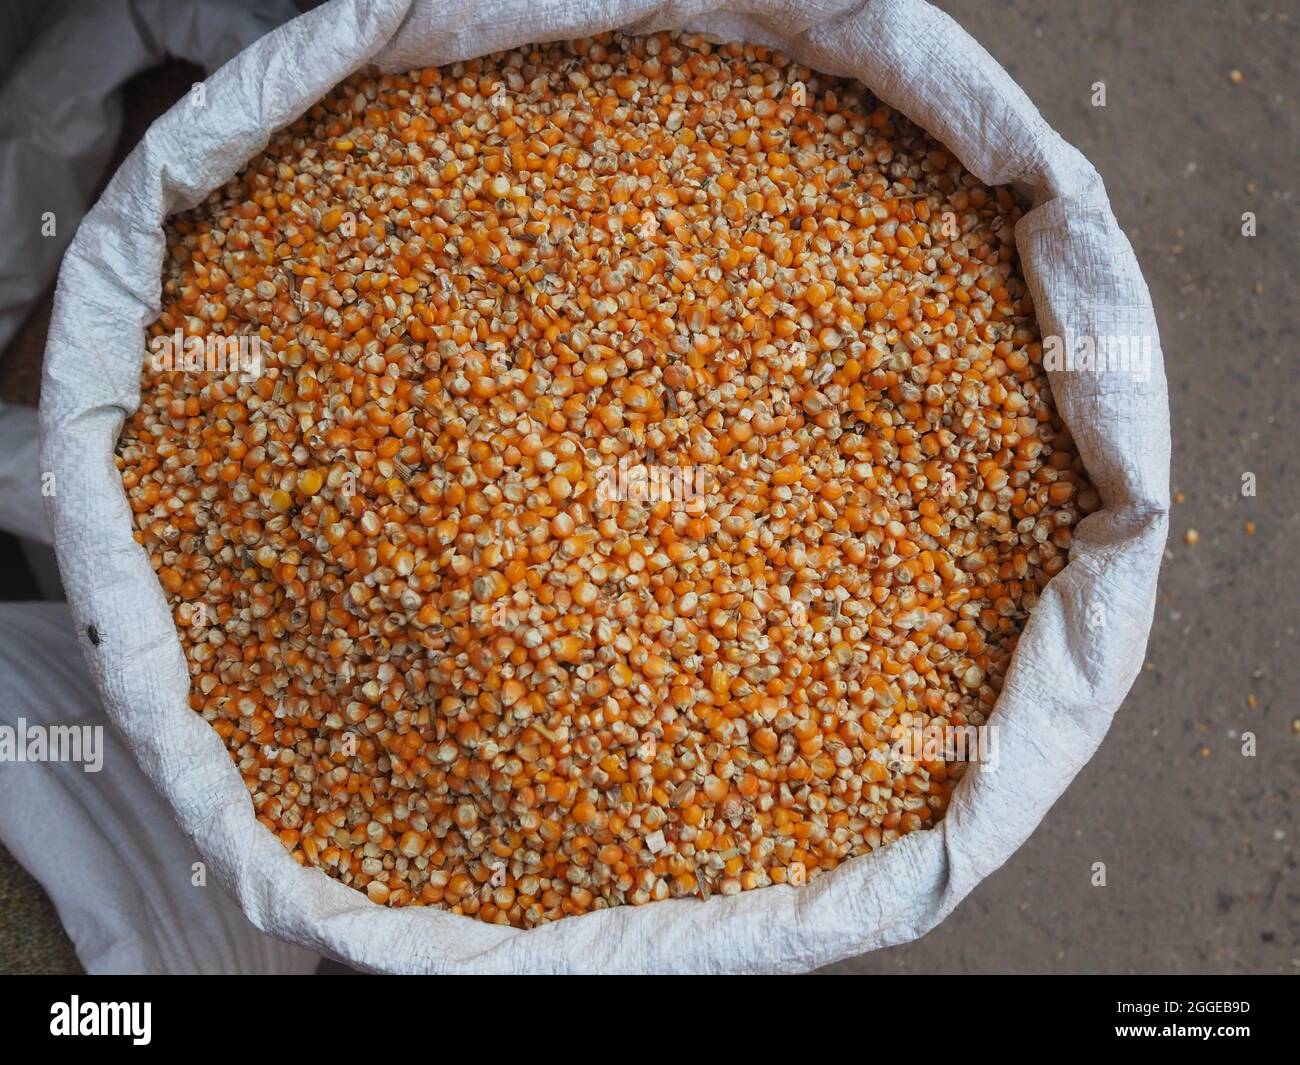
1069	673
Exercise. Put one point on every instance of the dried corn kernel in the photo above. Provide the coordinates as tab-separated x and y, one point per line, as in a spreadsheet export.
453	667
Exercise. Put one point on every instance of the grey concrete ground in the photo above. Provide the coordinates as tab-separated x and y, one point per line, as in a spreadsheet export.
1199	841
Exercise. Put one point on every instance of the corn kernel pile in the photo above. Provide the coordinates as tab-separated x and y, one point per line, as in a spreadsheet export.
450	669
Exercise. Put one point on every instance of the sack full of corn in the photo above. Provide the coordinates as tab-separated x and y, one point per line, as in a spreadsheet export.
628	487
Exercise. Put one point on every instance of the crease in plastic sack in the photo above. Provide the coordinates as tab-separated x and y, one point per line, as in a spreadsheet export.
1067	677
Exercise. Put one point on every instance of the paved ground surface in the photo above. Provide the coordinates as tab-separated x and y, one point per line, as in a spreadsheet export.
1199	841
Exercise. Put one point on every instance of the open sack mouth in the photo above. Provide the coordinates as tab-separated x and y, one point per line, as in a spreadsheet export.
632	469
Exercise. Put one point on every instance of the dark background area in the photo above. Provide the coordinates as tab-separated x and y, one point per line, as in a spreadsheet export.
1199	841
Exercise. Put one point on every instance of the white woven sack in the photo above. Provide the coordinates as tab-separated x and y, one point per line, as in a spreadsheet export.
1066	679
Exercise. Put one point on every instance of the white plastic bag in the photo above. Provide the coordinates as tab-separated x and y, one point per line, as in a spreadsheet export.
1067	677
